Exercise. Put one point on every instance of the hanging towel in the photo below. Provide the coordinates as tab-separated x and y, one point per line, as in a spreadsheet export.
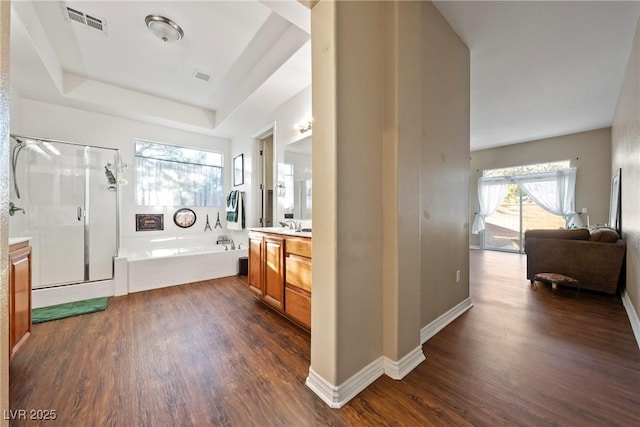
231	201
235	210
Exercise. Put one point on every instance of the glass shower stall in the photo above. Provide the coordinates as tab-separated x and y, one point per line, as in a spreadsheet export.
65	197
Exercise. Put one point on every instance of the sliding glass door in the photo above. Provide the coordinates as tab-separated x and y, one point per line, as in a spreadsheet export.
517	213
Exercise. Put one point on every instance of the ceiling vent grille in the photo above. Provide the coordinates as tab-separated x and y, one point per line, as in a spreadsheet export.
76	16
202	75
95	23
88	21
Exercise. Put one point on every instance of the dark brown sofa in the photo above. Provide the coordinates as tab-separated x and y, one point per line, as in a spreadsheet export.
593	257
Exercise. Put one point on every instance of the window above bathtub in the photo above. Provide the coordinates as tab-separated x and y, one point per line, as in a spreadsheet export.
169	175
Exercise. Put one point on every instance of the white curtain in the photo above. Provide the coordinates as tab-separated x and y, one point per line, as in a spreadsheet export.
491	192
555	192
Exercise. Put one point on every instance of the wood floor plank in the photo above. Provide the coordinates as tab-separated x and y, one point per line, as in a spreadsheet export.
209	353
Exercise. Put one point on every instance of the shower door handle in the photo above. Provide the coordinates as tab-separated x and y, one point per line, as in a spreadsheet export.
79	212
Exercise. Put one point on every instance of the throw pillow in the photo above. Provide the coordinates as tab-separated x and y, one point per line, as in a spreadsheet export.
604	235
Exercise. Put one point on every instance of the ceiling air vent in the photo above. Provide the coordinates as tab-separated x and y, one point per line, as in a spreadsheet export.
202	75
87	21
76	16
95	23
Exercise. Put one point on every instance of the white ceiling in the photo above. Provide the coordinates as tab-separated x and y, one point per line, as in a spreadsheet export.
257	53
538	69
542	69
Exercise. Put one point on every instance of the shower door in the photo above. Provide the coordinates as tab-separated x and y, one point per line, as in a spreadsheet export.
70	211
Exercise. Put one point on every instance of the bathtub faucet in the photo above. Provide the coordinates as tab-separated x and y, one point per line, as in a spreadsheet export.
13	209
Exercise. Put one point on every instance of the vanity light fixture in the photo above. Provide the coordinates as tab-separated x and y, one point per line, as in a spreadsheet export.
305	126
164	28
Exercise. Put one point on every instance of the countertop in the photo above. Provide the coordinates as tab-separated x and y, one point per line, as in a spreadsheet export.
15	240
282	230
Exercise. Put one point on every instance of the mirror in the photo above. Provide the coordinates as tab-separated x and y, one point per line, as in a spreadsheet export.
295	183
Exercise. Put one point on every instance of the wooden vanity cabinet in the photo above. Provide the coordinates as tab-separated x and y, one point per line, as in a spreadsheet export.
273	271
280	273
255	264
19	296
298	280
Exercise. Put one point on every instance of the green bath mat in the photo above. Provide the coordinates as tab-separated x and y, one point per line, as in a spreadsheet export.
60	311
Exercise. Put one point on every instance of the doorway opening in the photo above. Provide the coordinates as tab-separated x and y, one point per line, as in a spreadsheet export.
266	181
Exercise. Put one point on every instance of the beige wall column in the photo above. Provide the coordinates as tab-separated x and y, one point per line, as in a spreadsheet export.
401	188
390	86
324	320
5	12
445	172
625	142
347	170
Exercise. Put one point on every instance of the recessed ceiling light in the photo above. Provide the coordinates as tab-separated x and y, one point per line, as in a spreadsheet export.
164	28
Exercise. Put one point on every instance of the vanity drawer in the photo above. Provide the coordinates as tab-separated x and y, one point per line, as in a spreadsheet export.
298	272
300	247
298	305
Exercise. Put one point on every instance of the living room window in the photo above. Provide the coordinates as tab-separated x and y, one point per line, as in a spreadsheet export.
526	197
169	175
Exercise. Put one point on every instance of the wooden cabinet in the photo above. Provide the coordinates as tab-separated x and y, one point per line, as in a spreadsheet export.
274	271
255	264
280	273
19	296
298	280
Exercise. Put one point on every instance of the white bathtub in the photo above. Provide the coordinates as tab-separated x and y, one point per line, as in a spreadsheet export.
157	263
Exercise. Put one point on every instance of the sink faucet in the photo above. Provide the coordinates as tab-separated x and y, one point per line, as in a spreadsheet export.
294	225
233	245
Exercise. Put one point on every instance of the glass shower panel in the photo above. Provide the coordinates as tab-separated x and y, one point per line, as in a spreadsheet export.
69	195
55	210
102	244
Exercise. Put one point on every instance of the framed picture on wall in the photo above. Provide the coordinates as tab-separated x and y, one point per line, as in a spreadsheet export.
615	202
149	222
238	170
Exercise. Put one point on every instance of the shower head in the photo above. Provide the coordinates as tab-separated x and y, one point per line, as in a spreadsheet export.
44	148
15	153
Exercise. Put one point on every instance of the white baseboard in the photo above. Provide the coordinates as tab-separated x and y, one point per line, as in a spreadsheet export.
399	369
633	316
338	396
437	325
71	293
120	276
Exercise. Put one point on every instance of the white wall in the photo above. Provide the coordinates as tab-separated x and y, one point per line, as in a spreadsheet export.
16	109
40	119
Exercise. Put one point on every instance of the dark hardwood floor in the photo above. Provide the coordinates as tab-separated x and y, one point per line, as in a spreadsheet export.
209	354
